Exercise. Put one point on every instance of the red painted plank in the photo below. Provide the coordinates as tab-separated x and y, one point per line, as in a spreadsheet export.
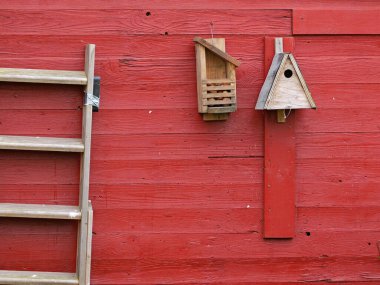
38	252
279	156
331	170
339	69
231	246
176	146
159	22
55	194
187	5
338	145
333	22
191	171
234	221
315	46
345	95
55	171
175	196
116	220
201	271
342	121
30	47
338	194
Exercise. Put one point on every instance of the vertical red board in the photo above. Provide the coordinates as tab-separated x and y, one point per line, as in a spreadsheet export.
279	156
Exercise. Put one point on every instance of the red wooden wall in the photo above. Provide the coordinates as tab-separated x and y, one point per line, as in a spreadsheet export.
178	200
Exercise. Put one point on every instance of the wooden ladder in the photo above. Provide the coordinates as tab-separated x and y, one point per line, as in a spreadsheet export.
83	212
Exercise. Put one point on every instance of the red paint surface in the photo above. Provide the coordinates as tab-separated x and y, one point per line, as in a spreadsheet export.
178	200
332	22
280	164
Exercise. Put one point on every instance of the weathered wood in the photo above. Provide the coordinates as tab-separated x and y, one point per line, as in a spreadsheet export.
200	55
89	243
281	117
43	76
39	211
215	110
41	143
217	51
215	79
38	278
289	93
83	250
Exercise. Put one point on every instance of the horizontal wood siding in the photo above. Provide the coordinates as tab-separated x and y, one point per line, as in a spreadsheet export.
178	200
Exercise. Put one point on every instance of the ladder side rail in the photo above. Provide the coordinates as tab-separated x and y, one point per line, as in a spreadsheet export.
82	247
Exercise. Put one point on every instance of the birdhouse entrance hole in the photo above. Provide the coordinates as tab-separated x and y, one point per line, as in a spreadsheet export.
288	73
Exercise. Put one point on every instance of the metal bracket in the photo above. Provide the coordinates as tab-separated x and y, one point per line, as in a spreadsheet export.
94	99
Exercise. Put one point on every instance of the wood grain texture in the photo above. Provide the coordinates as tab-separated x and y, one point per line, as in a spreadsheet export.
231	246
115	22
41	143
335	21
178	200
235	270
39	211
43	76
181	5
33	277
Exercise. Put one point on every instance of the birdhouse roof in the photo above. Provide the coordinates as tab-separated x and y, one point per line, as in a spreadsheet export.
217	51
273	80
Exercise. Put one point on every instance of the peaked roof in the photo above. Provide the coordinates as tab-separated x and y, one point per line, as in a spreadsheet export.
217	51
269	86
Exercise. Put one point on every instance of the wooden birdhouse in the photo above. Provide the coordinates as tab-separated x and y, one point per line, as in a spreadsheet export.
216	79
284	88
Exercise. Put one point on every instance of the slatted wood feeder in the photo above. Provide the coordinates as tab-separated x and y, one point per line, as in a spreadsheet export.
216	79
284	87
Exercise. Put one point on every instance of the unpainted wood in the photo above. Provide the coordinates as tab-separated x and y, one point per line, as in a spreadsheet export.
82	249
214	48
215	117
278	45
215	65
43	76
220	72
201	75
281	117
303	82
39	211
8	277
231	74
287	93
217	110
89	242
41	143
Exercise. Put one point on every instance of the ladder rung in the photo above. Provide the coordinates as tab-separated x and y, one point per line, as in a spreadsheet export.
39	211
36	277
43	76
41	143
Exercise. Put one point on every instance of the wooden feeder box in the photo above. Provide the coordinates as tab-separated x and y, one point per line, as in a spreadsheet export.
284	88
216	79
